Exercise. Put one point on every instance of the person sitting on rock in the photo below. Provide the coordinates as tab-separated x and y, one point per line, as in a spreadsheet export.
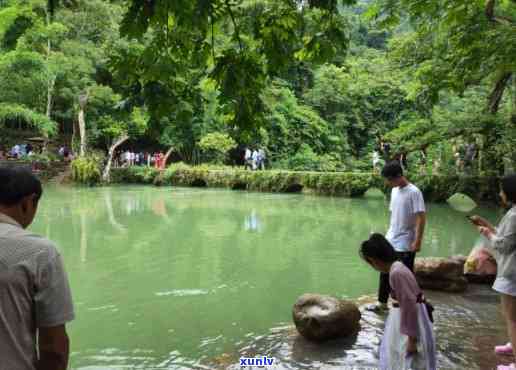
502	242
408	341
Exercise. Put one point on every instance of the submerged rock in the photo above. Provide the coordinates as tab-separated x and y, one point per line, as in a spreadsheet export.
437	273
319	317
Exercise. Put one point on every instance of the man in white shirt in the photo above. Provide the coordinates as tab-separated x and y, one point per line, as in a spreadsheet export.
248	159
254	158
376	161
407	224
261	159
35	298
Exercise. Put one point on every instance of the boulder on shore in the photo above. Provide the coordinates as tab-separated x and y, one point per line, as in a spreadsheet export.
451	286
445	274
320	317
439	268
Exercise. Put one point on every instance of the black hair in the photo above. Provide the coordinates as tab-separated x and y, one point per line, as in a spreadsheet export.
379	248
392	170
508	184
16	184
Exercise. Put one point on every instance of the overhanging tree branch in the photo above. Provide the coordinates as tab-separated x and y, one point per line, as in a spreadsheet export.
496	95
490	14
237	30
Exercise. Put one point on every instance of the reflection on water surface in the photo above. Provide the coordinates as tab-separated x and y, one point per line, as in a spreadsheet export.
183	278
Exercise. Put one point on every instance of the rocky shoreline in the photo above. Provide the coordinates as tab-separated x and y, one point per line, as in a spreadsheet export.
467	326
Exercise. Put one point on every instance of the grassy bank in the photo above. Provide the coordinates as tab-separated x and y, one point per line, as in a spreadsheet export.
331	183
349	184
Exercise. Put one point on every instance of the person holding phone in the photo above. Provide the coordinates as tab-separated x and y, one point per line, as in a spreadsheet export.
502	242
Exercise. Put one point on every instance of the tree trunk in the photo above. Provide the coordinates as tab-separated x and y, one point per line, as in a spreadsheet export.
513	115
497	94
167	154
111	152
83	100
50	95
50	83
492	162
82	133
497	20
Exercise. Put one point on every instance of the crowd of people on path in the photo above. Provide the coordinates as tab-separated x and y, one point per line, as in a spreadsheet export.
27	150
254	158
464	155
130	158
36	301
19	151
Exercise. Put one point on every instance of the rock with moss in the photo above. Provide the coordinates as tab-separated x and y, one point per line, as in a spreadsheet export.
319	317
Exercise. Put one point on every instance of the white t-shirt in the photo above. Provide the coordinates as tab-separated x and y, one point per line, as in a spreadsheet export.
376	157
405	203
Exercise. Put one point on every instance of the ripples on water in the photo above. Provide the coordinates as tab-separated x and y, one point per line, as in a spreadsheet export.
168	278
467	327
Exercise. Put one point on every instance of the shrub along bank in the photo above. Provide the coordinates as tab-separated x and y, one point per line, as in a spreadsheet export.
351	184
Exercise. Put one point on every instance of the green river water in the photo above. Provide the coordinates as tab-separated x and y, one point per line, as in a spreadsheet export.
173	278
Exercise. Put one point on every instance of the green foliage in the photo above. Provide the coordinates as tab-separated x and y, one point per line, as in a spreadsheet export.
23	77
134	175
306	160
216	146
338	183
86	170
109	120
440	188
361	107
14	113
435	188
292	125
316	83
239	44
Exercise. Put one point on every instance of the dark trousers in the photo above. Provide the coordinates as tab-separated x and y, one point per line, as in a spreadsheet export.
407	258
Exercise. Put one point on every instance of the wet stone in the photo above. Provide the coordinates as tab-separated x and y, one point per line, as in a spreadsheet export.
319	318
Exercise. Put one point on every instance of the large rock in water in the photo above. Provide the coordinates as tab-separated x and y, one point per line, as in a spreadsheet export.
319	317
446	274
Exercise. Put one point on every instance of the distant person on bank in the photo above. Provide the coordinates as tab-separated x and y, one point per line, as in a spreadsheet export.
407	225
502	242
35	298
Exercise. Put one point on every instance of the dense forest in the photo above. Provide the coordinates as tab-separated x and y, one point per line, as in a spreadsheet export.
317	83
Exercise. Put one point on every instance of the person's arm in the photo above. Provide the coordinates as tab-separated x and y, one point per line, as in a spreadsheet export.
53	345
480	221
53	309
408	307
420	230
503	243
419	210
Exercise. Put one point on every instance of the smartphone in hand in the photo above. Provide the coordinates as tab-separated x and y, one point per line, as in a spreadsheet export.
473	220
